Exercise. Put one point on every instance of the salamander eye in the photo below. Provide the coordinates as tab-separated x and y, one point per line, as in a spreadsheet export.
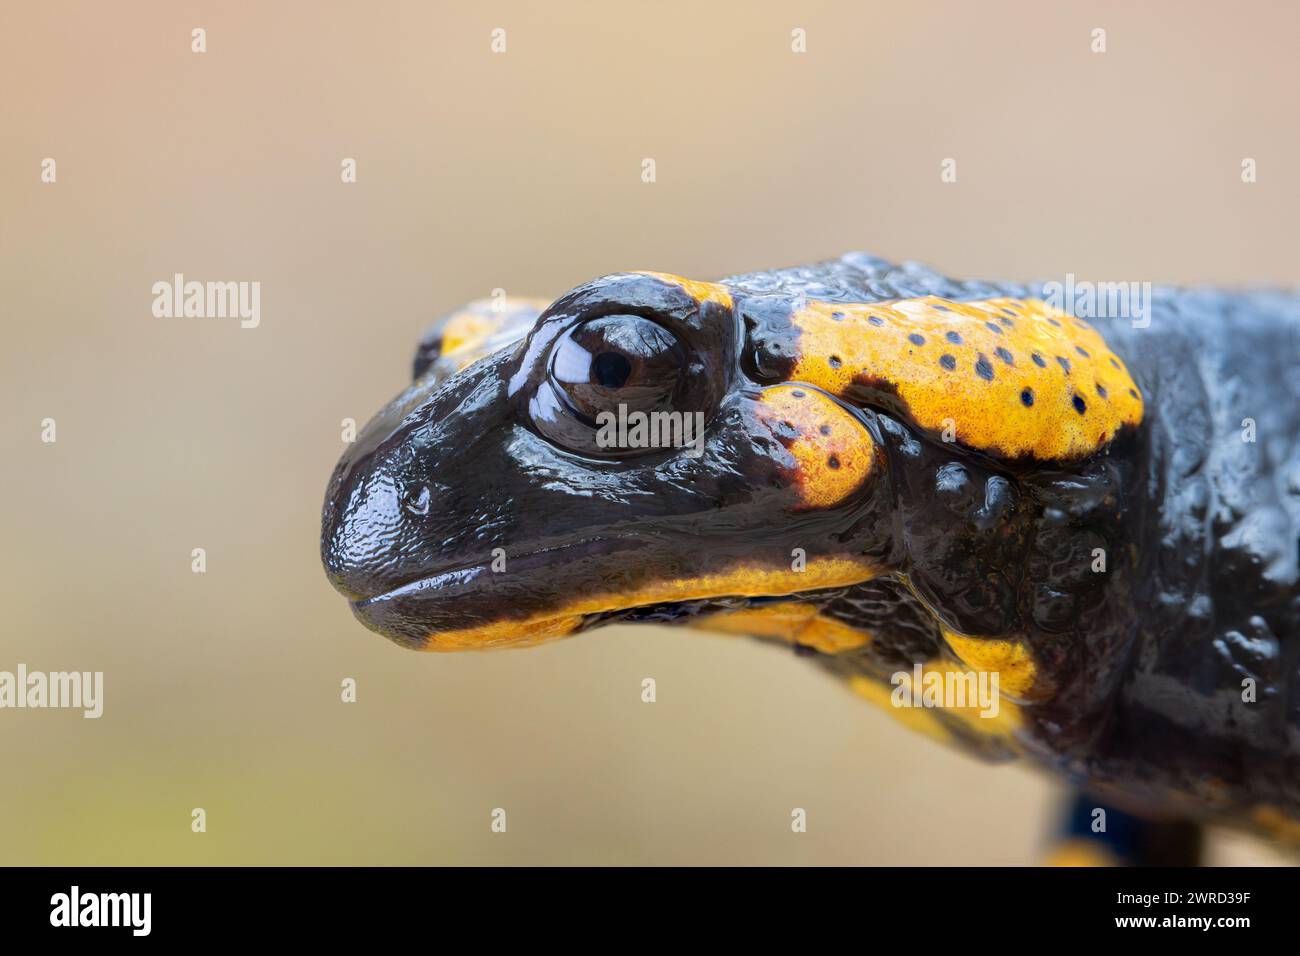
617	367
617	360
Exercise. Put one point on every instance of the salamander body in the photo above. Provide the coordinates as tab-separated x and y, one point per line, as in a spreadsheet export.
913	480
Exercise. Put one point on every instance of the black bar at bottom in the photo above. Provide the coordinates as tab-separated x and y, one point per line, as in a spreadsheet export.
440	905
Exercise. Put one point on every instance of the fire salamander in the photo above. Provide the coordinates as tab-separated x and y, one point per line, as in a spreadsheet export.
913	480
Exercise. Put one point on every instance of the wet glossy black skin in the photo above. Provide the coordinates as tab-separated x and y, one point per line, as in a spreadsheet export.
1140	668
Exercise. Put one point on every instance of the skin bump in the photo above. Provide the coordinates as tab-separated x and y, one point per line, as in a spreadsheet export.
832	452
988	377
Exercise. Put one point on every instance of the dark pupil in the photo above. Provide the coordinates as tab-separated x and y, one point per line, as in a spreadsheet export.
612	369
618	361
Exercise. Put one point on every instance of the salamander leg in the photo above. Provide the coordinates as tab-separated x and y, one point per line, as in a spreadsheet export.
1095	834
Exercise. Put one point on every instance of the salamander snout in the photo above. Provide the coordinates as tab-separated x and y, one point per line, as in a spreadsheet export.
422	479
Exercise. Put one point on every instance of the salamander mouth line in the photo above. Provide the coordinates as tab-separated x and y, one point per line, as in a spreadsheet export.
567	612
460	578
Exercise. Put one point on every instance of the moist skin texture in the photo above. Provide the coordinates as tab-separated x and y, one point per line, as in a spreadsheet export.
897	469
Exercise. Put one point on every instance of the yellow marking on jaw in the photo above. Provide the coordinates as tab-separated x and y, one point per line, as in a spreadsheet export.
832	451
800	623
1010	659
701	292
922	720
790	621
1003	724
985	396
742	581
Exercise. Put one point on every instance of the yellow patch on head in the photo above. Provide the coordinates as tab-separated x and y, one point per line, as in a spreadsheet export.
832	450
742	581
701	292
790	621
467	328
1009	659
1013	377
485	324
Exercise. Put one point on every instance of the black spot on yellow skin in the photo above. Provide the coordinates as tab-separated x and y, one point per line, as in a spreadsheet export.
831	453
998	402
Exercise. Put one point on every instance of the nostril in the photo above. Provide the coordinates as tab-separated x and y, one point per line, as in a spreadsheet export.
416	499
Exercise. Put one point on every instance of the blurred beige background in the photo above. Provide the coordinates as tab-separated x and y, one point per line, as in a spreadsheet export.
519	171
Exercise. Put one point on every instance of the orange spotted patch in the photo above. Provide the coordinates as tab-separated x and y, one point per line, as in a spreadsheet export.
1013	377
833	453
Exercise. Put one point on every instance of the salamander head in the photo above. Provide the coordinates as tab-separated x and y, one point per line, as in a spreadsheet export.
617	462
652	448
